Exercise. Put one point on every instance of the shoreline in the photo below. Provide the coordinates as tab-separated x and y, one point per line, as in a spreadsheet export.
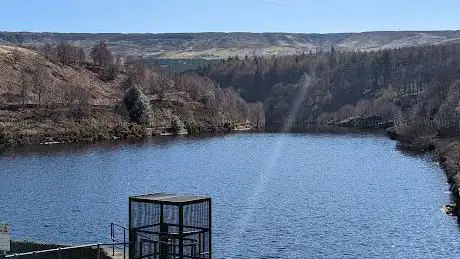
445	151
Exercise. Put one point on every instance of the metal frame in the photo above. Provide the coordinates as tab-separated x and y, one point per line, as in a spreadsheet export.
163	235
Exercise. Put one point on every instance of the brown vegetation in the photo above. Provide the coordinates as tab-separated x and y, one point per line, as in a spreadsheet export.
46	98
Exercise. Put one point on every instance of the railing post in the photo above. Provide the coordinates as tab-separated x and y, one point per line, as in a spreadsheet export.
59	253
112	235
98	251
124	243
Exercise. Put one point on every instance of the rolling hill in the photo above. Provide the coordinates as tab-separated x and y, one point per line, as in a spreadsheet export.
210	45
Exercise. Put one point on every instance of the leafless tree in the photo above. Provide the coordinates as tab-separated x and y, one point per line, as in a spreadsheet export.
49	51
136	71
81	56
67	54
101	55
25	87
39	80
161	85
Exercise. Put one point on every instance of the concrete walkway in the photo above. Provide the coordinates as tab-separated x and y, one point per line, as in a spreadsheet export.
118	253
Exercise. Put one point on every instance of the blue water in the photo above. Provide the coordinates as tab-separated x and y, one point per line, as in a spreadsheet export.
274	195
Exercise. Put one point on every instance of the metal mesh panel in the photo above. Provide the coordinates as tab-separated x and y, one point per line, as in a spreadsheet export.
163	227
144	223
197	224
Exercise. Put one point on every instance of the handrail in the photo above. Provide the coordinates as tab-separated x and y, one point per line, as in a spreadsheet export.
126	229
61	249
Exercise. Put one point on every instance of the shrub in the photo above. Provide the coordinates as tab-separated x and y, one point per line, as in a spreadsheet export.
178	125
193	127
138	106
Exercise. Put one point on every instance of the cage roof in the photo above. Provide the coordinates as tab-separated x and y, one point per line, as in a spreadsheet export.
170	198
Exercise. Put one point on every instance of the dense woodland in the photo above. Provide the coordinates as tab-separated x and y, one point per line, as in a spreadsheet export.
416	85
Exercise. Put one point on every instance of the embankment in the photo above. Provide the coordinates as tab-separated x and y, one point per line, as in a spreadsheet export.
45	125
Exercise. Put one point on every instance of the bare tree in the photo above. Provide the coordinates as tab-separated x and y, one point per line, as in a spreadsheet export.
25	87
67	54
118	60
48	50
81	56
101	55
77	99
136	71
39	80
162	85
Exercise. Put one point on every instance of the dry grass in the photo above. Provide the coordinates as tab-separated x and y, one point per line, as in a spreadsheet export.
16	60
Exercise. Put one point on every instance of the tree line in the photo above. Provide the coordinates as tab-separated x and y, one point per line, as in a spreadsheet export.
405	84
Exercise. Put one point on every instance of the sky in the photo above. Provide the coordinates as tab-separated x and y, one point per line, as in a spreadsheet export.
157	16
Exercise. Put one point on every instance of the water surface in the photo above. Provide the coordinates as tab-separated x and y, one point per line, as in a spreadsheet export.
274	195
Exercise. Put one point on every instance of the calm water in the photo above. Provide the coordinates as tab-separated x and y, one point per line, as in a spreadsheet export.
274	195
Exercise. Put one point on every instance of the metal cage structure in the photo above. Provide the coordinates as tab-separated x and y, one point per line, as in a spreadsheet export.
166	226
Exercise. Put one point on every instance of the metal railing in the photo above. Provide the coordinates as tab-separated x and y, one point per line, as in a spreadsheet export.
113	227
61	250
97	250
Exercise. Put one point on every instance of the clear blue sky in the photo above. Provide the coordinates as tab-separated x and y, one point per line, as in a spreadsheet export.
228	15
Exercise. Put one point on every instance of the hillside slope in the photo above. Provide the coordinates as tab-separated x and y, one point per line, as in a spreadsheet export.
16	63
46	101
223	45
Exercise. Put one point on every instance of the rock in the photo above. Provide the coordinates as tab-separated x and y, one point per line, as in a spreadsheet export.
332	123
386	124
450	209
349	122
364	122
368	122
246	126
392	133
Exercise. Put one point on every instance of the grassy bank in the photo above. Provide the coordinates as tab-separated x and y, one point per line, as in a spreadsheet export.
45	125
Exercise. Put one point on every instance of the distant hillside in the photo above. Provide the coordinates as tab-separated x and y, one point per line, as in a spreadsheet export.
223	45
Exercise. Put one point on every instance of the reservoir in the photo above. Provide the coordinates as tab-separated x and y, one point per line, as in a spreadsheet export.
274	195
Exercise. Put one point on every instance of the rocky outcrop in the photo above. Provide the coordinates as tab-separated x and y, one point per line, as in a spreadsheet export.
363	122
406	101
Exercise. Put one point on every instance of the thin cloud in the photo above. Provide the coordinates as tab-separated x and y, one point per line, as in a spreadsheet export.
277	1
